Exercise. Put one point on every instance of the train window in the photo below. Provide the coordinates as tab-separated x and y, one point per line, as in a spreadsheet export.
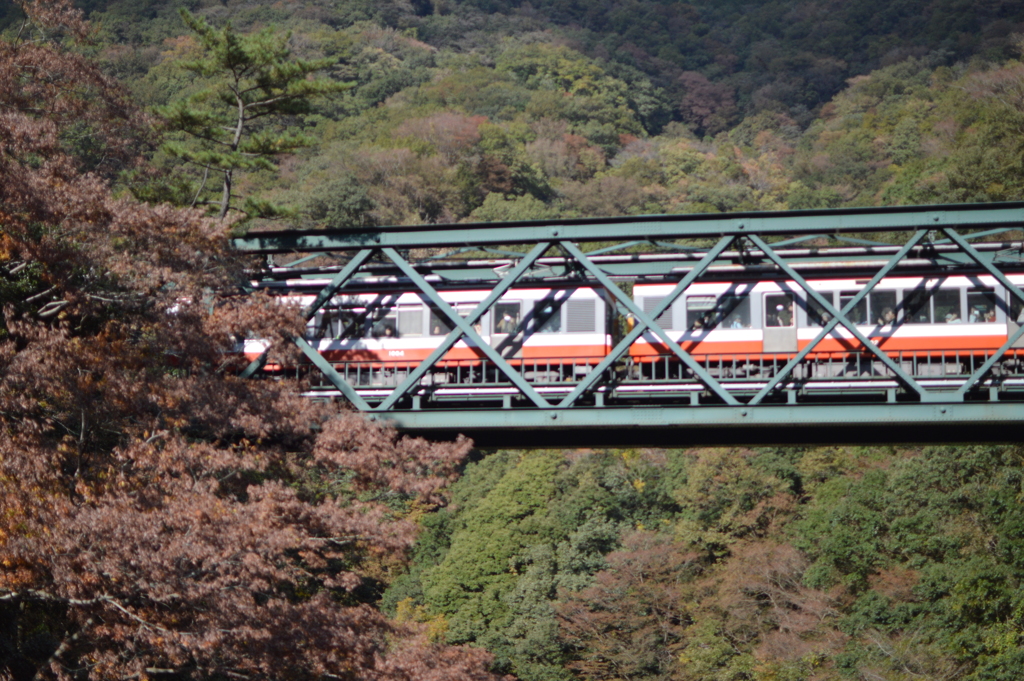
883	307
385	324
580	316
334	324
735	312
547	317
664	320
917	307
700	312
410	320
859	313
816	314
506	317
466	309
778	309
947	307
321	325
708	312
1016	309
981	305
439	323
927	307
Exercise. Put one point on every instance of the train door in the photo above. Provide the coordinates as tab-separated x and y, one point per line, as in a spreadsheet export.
779	323
1014	318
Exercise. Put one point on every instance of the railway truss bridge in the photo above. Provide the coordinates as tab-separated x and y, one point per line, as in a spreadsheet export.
881	325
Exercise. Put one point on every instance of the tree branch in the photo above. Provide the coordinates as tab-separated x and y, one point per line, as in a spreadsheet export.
37	296
62	648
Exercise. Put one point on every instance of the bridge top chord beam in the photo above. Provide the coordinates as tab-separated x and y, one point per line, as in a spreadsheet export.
646	228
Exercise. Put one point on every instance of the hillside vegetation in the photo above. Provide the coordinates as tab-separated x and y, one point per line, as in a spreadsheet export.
486	110
769	564
273	551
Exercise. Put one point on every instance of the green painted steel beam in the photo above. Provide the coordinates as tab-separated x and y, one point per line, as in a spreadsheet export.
678	267
648	322
456	334
431	296
685	426
815	296
622	347
649	227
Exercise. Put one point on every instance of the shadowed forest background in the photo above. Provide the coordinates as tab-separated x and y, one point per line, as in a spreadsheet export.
161	519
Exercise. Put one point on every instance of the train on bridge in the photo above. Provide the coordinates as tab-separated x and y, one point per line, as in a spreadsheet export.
742	331
898	324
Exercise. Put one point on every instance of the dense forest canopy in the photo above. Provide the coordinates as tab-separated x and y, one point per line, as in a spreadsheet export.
162	519
471	110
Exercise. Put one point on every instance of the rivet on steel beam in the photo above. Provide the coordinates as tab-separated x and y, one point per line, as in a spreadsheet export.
942	411
743	413
554	232
373	417
554	415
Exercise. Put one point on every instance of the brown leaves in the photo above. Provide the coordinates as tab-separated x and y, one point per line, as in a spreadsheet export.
451	134
174	567
762	593
55	16
378	459
710	107
158	515
631	622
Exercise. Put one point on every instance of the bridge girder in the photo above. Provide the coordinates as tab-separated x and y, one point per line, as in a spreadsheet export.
599	407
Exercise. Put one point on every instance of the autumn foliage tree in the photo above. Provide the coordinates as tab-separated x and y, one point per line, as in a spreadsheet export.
630	624
160	518
709	107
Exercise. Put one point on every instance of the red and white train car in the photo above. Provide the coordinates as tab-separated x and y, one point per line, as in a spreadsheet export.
972	314
566	325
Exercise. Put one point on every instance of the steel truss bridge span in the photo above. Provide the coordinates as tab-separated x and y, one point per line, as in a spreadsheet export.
891	325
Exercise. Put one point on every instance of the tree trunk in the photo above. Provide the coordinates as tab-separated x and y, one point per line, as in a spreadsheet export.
13	664
225	199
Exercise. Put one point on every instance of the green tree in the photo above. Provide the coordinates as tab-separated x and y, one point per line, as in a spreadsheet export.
341	203
238	123
499	208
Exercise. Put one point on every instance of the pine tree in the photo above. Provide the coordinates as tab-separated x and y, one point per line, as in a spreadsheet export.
239	122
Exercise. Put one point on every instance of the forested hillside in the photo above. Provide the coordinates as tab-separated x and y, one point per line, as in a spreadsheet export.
161	519
770	564
485	110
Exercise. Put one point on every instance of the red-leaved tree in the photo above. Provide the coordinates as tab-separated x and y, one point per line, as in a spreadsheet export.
709	107
159	517
630	624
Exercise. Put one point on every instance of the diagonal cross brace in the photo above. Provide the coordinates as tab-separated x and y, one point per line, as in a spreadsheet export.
832	323
649	322
979	235
638	329
904	377
455	334
466	328
989	267
335	284
332	375
980	373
